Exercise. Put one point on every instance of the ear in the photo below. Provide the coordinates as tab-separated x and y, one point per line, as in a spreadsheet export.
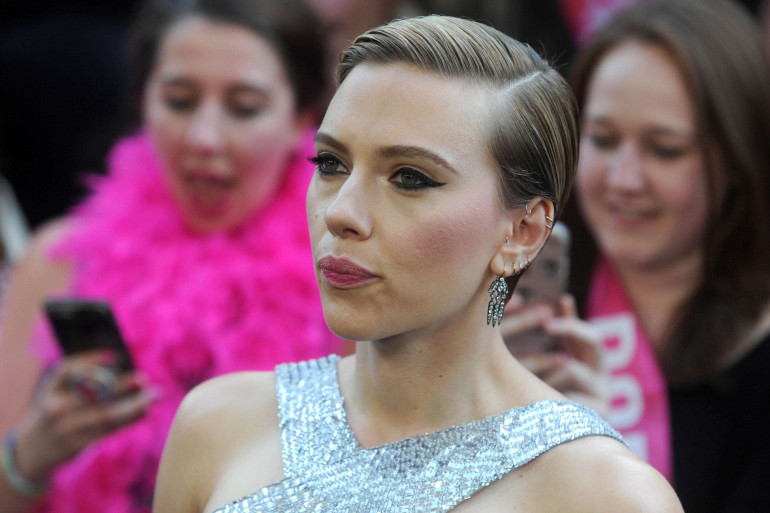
529	228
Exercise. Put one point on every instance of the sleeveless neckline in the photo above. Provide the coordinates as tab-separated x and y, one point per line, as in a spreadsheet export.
327	469
341	415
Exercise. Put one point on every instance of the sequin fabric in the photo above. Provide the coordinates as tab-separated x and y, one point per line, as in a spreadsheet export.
328	471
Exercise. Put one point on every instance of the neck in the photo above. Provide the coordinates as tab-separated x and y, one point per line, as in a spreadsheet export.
425	381
657	292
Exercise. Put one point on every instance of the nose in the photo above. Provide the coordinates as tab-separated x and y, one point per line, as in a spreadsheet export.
205	133
348	214
626	169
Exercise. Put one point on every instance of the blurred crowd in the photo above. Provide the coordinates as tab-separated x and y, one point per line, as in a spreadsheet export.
156	153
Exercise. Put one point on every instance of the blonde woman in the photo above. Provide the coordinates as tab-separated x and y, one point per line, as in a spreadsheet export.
442	162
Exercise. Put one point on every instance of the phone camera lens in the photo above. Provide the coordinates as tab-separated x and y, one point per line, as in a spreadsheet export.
527	294
550	268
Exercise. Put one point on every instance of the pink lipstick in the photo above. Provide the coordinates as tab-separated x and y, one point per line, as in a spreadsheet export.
341	273
207	192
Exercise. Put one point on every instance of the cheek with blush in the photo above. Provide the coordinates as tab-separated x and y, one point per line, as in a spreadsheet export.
450	243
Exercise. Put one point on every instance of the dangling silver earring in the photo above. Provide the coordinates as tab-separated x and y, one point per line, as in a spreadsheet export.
498	291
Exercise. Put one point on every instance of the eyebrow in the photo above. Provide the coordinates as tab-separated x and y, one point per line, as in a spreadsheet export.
398	150
656	129
328	140
689	135
180	81
414	152
175	80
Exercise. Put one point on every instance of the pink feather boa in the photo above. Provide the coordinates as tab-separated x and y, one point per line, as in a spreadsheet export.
191	307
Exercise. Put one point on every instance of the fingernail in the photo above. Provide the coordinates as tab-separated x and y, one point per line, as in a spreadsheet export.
139	380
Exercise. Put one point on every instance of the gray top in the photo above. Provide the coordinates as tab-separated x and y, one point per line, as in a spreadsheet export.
328	471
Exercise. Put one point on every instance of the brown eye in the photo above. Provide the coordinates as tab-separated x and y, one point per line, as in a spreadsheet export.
245	111
602	141
180	103
244	102
668	152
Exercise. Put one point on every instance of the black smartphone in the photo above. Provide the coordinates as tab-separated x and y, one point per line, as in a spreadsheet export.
544	282
83	325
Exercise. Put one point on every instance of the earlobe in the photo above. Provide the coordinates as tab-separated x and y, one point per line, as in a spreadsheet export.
504	259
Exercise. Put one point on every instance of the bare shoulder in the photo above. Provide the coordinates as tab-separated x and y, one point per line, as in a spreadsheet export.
35	277
226	412
598	474
36	274
229	395
45	238
594	474
217	422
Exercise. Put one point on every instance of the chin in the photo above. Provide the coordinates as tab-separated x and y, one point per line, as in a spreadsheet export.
347	328
209	225
637	258
351	323
624	250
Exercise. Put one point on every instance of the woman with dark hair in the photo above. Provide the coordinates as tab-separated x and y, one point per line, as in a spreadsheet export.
672	261
442	161
197	240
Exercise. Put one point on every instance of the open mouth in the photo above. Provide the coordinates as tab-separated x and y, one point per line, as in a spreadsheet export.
208	194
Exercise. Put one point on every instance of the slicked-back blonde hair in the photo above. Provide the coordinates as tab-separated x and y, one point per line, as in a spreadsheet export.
533	130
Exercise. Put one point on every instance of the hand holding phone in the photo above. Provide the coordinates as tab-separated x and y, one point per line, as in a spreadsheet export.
78	401
81	326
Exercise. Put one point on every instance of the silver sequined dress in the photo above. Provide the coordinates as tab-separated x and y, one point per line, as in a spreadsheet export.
328	471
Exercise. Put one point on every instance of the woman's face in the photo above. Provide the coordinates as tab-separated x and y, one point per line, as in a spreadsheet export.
641	178
220	109
403	209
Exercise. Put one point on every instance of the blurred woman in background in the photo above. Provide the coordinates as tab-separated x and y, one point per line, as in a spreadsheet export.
672	261
197	239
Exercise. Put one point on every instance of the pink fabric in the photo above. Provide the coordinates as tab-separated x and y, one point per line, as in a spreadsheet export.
190	307
639	408
584	17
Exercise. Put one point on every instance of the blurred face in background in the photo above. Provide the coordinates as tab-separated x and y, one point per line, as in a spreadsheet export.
642	181
221	111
